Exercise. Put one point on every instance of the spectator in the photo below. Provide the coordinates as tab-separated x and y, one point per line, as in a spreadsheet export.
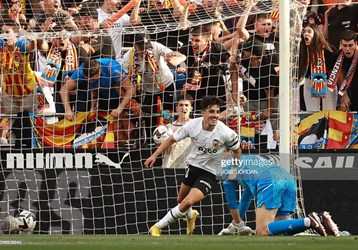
219	27
312	17
147	64
19	82
339	18
106	10
63	59
15	14
319	7
263	32
344	73
176	155
106	80
314	51
199	11
97	46
53	16
160	13
72	6
205	10
206	66
259	82
36	6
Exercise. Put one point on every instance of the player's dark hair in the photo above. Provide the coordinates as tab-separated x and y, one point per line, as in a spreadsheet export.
201	30
185	97
348	35
263	16
91	68
209	101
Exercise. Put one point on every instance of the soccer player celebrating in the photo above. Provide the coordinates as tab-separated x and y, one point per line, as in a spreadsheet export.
274	190
211	139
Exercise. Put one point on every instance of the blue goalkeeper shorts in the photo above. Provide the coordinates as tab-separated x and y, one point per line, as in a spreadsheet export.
277	193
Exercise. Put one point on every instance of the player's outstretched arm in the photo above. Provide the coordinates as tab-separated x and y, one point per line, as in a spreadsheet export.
162	148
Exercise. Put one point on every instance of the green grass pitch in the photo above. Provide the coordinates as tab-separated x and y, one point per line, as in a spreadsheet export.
182	242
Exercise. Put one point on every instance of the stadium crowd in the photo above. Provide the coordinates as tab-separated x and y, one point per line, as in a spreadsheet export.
89	64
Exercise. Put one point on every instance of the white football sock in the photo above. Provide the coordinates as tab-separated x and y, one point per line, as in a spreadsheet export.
172	216
307	222
189	213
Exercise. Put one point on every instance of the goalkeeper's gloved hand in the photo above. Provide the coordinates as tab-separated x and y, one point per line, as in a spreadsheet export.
237	229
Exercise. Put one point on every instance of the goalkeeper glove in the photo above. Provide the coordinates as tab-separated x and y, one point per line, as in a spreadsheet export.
237	229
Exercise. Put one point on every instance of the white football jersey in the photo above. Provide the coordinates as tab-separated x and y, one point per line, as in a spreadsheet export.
175	156
208	147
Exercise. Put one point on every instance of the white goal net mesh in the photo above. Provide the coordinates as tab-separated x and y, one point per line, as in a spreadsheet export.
79	104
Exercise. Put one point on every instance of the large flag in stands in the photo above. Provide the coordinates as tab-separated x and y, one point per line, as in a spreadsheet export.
322	130
88	130
328	130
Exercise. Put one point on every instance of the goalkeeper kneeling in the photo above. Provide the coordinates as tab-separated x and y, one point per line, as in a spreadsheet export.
274	191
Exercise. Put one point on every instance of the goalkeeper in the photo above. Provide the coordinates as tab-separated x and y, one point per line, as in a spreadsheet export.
274	190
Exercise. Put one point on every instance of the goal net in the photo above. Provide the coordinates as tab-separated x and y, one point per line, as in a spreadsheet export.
79	105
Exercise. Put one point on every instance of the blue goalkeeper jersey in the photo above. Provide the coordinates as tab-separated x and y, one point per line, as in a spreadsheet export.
253	169
257	175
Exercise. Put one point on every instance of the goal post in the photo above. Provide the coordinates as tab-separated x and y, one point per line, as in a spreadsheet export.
85	175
